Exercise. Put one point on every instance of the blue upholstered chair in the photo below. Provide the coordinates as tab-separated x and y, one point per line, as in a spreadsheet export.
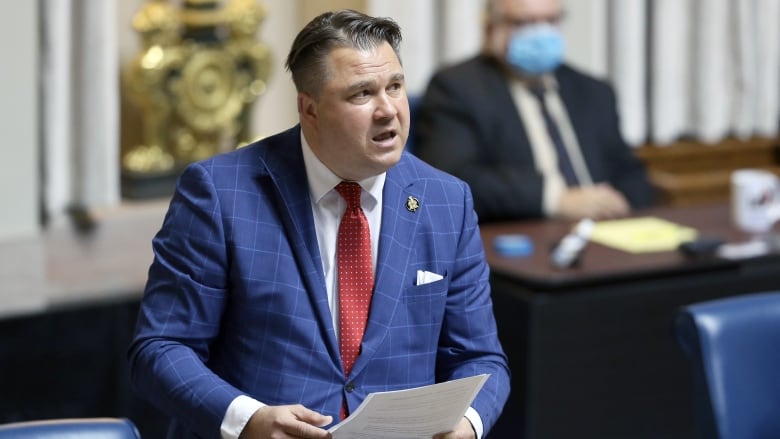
733	345
76	428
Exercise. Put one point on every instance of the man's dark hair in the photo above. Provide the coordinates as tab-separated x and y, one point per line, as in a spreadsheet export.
331	30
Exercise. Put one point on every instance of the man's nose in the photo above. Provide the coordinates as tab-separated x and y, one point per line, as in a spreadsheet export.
385	107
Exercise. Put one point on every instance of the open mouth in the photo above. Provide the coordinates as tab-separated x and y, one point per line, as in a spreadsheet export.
385	136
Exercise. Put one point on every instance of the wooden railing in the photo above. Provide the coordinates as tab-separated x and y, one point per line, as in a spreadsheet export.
690	172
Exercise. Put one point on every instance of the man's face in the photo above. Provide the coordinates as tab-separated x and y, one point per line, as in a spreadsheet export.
514	14
360	120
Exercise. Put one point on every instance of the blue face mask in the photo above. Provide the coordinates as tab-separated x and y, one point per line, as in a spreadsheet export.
535	49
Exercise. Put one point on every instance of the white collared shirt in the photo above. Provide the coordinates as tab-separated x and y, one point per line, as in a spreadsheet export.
328	207
545	156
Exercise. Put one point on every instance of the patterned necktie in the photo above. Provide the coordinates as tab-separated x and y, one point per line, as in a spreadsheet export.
564	161
355	274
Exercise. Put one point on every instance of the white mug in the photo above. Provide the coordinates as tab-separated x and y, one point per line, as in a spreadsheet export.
755	200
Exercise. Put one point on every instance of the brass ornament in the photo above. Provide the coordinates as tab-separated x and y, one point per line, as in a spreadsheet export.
200	70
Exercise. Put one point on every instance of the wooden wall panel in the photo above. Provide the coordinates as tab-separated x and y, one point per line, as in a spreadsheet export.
690	172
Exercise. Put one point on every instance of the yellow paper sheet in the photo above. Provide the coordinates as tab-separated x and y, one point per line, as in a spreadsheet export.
642	235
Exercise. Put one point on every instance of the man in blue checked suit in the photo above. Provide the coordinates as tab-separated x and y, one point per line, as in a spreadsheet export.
239	332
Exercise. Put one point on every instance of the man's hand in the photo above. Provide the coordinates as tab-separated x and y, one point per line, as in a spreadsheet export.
597	202
463	430
286	421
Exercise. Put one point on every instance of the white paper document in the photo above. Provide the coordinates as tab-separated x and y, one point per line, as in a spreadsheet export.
414	413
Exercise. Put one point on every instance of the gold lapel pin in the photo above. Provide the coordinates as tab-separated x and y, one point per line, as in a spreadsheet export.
412	204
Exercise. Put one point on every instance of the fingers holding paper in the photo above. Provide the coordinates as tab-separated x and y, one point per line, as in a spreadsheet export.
286	421
463	430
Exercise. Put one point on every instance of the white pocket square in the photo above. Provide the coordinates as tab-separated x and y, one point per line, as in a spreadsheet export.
426	277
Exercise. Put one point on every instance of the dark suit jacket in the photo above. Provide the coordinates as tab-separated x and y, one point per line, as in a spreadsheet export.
469	126
236	300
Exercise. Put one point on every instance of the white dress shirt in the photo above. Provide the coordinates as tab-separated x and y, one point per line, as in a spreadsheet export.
545	156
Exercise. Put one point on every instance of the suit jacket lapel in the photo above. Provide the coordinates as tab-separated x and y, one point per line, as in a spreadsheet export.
505	113
576	105
283	160
399	226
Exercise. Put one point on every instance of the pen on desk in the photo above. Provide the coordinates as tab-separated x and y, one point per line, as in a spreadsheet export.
570	247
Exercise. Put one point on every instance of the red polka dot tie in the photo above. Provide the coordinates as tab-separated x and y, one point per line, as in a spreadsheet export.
355	274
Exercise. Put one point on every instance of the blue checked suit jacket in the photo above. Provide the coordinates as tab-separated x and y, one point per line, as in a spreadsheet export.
236	302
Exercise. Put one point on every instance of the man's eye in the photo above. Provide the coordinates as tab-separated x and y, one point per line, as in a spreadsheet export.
361	94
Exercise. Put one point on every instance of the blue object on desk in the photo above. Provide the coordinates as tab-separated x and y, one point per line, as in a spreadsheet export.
513	245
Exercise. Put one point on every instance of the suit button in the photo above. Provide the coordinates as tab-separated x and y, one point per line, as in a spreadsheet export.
349	387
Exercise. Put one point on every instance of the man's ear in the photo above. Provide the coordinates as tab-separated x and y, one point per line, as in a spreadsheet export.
307	107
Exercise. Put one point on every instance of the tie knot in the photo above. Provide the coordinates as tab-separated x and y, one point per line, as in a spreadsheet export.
350	191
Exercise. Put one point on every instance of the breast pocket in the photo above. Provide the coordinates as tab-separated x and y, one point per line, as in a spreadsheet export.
427	292
425	304
421	312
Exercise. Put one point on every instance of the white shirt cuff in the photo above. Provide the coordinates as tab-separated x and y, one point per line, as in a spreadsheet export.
237	415
475	420
243	407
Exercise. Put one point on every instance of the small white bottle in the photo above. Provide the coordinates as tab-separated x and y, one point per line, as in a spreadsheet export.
569	248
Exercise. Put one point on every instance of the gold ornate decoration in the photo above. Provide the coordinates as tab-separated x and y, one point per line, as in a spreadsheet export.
200	70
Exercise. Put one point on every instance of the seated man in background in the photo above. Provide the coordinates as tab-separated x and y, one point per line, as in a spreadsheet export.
532	136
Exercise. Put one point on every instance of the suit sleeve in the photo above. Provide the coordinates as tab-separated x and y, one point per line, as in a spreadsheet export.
627	172
469	344
181	310
467	125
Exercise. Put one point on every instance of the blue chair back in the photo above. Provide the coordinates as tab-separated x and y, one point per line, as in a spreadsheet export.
733	345
75	428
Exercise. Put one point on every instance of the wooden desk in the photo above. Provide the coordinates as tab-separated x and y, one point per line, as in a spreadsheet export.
591	348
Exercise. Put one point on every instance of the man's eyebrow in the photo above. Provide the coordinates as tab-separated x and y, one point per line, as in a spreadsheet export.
361	85
398	77
369	83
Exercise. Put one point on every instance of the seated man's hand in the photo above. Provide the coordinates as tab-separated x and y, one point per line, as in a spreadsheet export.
463	430
286	421
596	202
